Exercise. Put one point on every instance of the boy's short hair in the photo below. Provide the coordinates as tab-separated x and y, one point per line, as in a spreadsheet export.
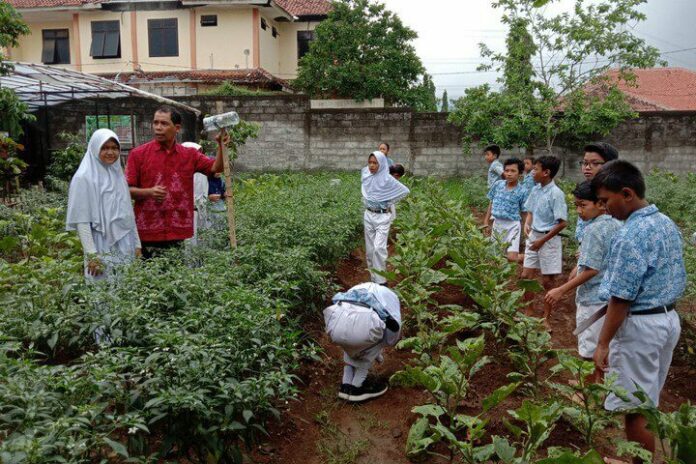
397	169
617	175
584	191
385	144
549	162
606	150
515	161
530	158
495	149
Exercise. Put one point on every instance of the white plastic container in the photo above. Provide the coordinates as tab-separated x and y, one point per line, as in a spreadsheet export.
220	121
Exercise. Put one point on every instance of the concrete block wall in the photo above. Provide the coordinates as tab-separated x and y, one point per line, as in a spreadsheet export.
294	136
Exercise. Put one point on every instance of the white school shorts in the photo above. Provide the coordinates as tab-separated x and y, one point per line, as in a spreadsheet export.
508	232
549	258
640	355
588	338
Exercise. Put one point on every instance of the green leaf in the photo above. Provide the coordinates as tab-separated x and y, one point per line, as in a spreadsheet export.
530	285
498	396
118	448
503	449
429	410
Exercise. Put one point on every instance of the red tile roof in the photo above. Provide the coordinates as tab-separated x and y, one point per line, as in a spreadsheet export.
661	89
49	3
294	7
305	7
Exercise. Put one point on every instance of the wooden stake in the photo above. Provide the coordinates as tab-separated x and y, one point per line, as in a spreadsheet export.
229	196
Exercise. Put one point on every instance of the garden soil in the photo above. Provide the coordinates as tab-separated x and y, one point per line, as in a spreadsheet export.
320	428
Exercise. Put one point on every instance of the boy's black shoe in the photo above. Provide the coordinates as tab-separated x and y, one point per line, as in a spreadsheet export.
371	388
345	391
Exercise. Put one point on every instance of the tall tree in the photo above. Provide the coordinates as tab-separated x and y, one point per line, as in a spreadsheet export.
13	111
445	102
555	86
363	51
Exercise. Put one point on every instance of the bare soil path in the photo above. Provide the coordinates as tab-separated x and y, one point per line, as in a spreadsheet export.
320	428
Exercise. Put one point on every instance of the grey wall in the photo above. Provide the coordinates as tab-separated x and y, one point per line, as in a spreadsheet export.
295	137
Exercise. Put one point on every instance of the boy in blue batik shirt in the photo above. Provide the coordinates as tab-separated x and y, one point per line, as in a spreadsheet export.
528	181
547	217
600	228
597	154
507	198
495	167
644	278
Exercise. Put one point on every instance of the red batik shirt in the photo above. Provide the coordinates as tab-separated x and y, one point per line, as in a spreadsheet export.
151	164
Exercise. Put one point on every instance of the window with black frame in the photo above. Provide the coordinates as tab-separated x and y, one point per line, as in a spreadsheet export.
56	46
106	40
163	37
304	38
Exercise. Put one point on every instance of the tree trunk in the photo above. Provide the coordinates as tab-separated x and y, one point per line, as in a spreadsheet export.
229	196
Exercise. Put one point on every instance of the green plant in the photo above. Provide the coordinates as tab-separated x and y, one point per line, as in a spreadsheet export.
537	421
64	162
229	89
448	382
676	431
530	349
584	397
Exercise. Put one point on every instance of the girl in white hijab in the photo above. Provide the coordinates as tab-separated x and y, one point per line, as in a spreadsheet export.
380	191
100	208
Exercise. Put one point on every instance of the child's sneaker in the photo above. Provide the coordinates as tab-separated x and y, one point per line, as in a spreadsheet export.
345	391
371	388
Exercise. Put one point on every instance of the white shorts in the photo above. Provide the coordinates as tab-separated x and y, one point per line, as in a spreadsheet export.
588	338
508	232
549	258
640	355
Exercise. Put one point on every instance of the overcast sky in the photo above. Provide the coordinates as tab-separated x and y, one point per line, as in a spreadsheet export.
449	32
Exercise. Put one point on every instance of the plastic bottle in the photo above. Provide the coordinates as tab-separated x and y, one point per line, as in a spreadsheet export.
220	121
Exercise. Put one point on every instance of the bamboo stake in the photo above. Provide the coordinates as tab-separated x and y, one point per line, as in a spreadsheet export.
229	195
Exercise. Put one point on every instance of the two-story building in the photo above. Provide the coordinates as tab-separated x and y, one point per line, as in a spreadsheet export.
172	47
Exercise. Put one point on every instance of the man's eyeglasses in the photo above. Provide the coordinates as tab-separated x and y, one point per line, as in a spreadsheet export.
587	164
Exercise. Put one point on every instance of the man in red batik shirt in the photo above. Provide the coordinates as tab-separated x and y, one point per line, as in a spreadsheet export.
160	177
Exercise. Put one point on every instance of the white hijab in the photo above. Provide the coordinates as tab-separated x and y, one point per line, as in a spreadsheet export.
200	181
381	186
99	194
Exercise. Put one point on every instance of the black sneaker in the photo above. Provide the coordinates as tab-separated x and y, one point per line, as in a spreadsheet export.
371	388
345	391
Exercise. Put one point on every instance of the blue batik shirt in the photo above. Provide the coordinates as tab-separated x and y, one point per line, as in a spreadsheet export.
495	170
507	203
645	264
548	206
580	230
528	183
594	251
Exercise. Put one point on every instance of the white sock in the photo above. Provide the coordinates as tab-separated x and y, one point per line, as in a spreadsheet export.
348	373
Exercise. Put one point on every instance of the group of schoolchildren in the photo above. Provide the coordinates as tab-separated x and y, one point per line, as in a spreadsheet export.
629	273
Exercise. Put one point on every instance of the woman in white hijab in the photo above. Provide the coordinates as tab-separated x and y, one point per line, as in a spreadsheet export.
380	191
200	199
100	208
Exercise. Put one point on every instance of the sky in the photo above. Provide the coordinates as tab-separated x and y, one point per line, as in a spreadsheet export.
449	32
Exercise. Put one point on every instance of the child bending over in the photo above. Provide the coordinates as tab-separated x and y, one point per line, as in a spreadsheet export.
363	321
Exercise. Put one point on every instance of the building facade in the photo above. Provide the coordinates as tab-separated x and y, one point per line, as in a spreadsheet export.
179	47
